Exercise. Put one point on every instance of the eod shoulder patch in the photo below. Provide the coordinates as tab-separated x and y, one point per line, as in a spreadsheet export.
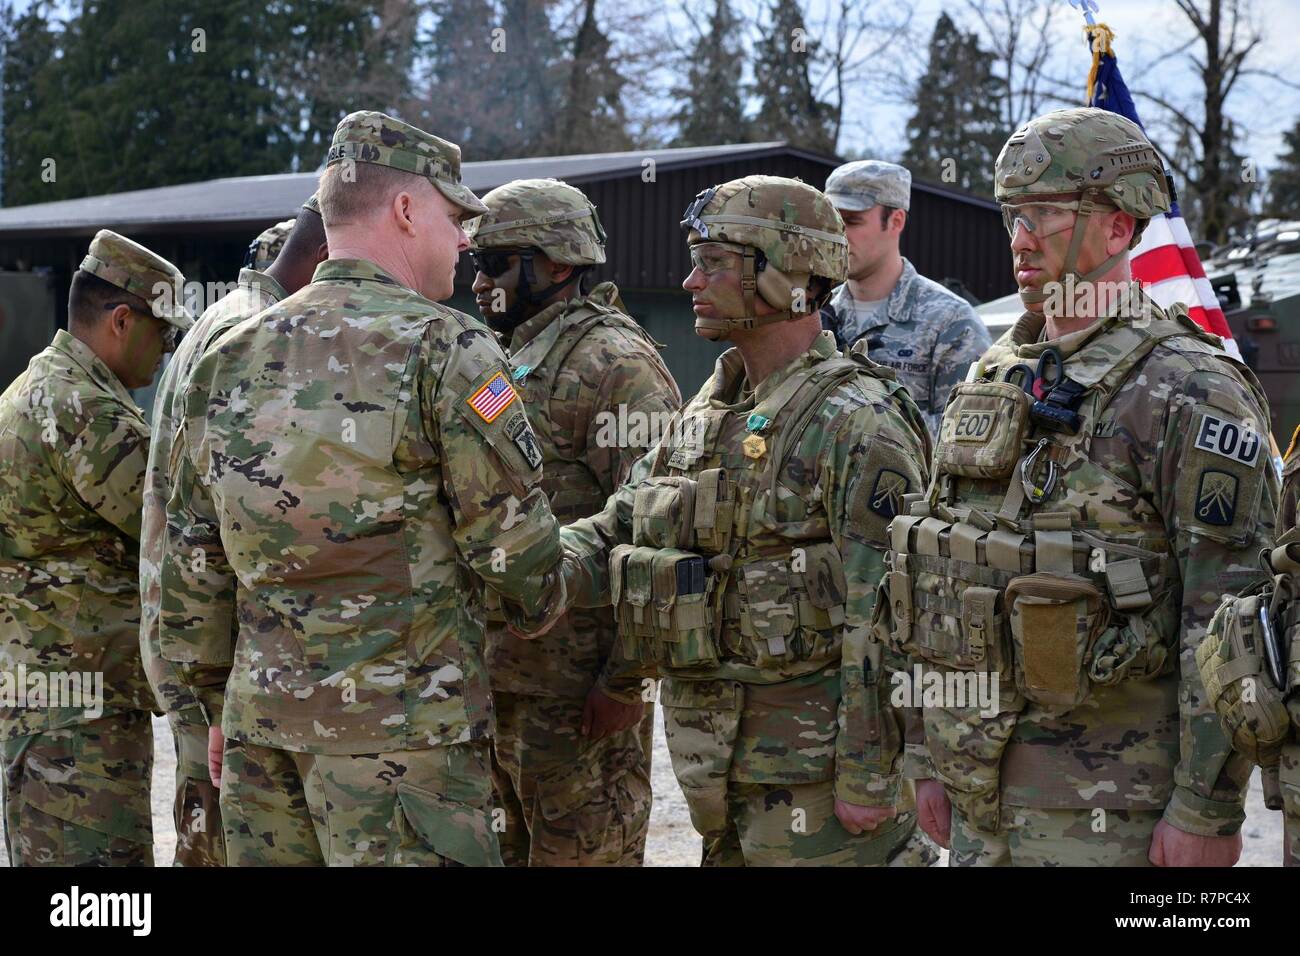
1223	436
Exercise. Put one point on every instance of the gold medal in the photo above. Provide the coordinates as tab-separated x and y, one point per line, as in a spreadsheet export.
754	446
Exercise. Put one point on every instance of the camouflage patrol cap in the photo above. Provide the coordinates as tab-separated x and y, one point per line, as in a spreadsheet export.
543	214
370	137
263	250
145	274
313	203
793	224
868	183
1084	148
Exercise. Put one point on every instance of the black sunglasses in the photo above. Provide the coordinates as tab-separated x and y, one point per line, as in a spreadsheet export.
494	263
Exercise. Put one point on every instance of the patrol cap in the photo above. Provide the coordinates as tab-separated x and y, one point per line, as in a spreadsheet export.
867	183
145	274
313	203
367	136
263	250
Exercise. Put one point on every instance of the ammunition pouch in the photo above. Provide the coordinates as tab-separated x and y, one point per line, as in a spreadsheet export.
1233	668
660	598
982	430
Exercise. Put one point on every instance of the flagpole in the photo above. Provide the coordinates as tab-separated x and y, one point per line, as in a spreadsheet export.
1087	8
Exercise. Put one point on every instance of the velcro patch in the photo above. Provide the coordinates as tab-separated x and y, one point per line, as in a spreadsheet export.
493	398
525	439
887	493
973	426
1216	498
1229	439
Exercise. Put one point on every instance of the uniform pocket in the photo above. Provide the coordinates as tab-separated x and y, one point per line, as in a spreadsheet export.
1055	619
432	830
701	722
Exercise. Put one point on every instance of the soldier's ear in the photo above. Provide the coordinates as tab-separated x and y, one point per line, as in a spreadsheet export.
1119	231
119	320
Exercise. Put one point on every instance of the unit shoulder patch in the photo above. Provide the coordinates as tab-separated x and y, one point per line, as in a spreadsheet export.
1216	498
1229	439
887	492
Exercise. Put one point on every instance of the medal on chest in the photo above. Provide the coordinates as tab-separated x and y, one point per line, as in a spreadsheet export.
755	445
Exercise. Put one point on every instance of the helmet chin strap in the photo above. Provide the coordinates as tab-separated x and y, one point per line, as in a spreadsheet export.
526	299
1087	206
718	329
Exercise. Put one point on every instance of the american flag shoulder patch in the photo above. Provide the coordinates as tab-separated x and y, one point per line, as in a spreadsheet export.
493	398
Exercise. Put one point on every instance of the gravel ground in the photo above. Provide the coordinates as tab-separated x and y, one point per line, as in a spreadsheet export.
672	841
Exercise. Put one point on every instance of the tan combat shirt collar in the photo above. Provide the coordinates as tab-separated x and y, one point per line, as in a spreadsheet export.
357	270
90	363
263	284
732	392
1029	331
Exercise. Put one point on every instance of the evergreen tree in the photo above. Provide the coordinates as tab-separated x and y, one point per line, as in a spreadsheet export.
30	45
1284	181
713	109
595	119
955	133
788	107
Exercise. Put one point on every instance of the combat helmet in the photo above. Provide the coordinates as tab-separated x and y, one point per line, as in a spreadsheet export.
786	232
263	250
1103	157
528	216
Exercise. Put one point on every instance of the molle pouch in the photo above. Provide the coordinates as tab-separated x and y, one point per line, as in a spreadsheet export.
982	431
768	616
632	586
681	619
663	512
1055	619
715	510
1233	668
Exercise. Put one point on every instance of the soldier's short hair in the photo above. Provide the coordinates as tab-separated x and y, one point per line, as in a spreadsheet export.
885	213
89	295
352	191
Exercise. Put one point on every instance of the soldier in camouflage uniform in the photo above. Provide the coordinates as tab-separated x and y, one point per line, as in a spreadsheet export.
196	810
582	365
926	334
354	464
1096	488
1252	674
72	460
743	555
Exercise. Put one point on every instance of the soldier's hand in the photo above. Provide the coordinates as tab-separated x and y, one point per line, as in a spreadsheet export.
602	715
1171	846
934	811
216	749
855	818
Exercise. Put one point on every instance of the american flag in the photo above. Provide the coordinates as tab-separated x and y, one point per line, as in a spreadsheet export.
493	398
1164	261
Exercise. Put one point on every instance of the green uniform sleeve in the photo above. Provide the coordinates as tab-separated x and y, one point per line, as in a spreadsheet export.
1218	490
501	522
875	459
107	461
198	626
588	542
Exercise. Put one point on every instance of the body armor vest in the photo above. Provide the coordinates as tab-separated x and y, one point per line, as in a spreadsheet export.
725	571
571	488
1029	559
